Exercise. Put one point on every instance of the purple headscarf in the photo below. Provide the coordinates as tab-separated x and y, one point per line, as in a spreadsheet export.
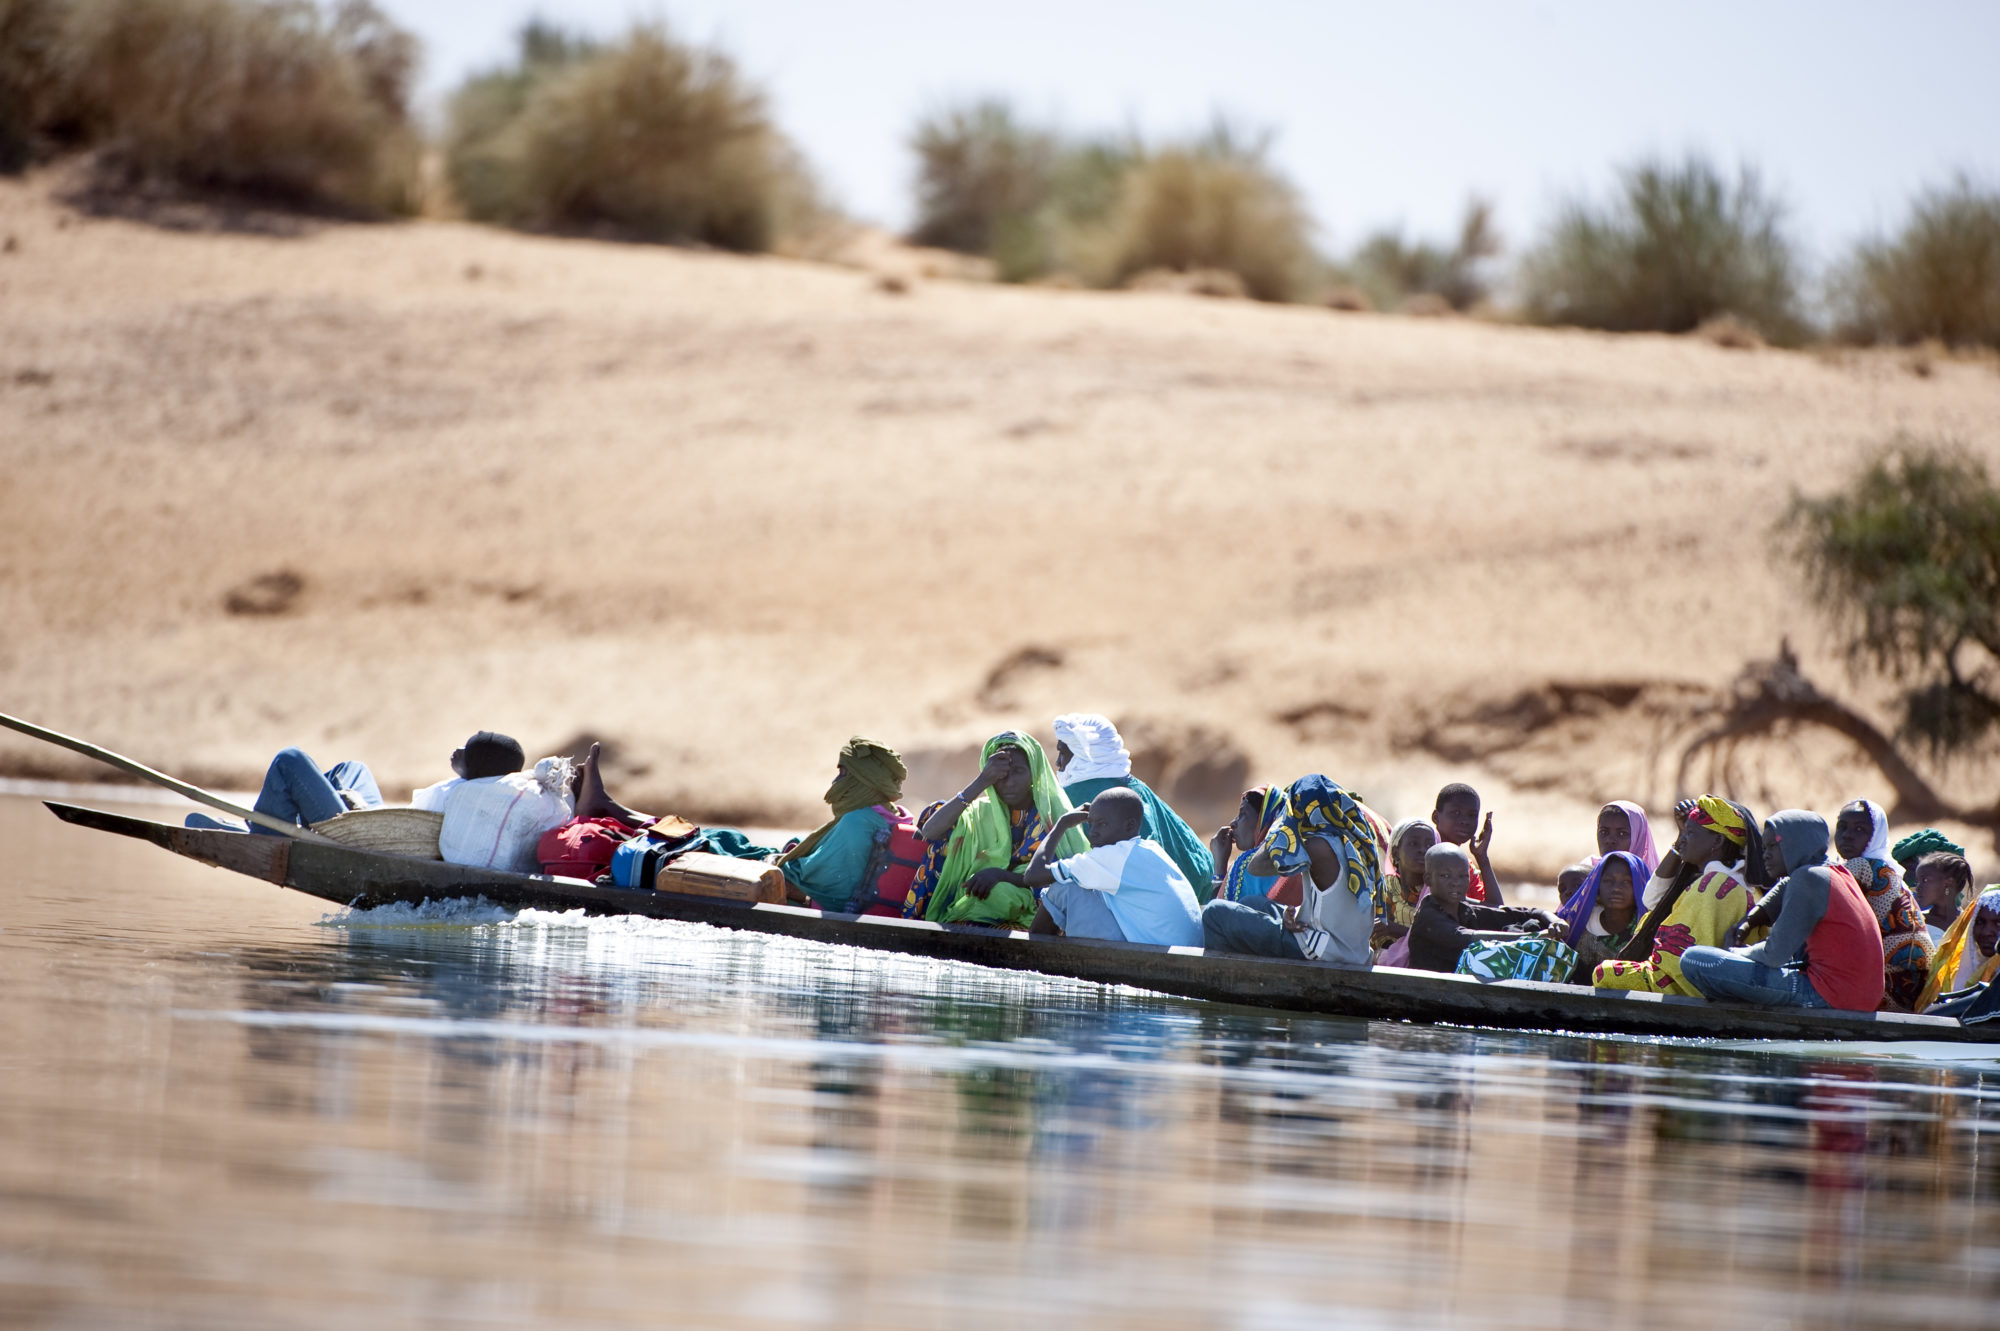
1576	911
1642	839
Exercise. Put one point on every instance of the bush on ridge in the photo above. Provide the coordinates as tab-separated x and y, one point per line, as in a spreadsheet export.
1214	204
646	138
1939	278
304	102
1678	246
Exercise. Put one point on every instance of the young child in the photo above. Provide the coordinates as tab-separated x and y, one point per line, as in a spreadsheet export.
1125	888
1456	818
1403	885
1603	914
1448	922
1940	881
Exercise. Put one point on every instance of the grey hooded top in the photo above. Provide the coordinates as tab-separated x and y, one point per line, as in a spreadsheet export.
1801	897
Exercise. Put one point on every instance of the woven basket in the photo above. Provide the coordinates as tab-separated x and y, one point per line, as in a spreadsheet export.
409	832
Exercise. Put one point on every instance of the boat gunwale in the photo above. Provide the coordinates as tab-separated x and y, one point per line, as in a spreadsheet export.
358	878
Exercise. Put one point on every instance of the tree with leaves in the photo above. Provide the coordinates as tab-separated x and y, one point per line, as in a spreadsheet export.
1906	561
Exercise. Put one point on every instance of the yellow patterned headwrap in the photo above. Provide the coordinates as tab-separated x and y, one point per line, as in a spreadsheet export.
1710	811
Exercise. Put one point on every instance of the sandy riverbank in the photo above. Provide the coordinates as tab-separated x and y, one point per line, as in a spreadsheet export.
725	512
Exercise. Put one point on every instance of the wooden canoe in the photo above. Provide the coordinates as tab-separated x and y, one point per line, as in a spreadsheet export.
717	891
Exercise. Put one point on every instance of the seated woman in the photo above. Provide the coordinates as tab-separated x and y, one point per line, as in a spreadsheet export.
1123	889
1970	952
1861	841
829	867
1603	914
1325	834
982	838
1446	924
1091	759
1234	843
296	791
1702	889
1622	825
1402	889
1825	949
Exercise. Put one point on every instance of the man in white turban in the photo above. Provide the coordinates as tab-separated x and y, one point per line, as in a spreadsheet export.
1091	758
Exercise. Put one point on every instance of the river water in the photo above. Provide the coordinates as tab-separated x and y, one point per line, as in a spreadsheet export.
223	1105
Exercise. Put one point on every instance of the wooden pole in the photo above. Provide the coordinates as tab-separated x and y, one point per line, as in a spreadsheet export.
124	764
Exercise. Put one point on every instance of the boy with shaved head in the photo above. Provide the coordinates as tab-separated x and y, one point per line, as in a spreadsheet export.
1124	888
1447	923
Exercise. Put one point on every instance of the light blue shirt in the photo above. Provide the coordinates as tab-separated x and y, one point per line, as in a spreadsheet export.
1147	893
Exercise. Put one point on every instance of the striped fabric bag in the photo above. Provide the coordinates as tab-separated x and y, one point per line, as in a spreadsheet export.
1549	960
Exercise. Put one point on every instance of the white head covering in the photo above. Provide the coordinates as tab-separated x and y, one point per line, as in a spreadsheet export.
1404	828
1878	840
1094	748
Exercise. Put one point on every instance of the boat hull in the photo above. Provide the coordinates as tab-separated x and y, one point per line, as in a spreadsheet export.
360	878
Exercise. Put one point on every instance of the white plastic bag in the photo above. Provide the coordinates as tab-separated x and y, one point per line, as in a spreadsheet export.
496	822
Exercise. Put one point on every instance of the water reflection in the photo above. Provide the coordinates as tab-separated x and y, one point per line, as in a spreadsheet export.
542	1121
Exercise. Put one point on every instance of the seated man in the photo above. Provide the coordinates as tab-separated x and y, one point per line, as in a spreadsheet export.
1091	759
1326	834
296	791
1446	923
1124	888
1825	947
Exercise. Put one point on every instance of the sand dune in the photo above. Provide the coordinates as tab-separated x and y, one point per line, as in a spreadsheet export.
726	512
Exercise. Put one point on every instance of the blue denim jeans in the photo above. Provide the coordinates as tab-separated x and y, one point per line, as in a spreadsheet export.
296	791
1253	927
1732	977
1080	912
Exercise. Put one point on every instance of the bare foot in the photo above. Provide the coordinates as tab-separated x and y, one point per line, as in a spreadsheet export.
593	801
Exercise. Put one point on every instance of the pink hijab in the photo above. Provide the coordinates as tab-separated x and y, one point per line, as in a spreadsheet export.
1642	837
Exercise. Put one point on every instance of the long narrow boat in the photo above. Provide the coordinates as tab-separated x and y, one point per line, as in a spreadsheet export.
361	878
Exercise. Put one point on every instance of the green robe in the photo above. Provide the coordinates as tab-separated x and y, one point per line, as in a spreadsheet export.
1188	852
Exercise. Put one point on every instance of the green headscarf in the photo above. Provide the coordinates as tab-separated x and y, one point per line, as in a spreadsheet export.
870	774
984	836
1919	844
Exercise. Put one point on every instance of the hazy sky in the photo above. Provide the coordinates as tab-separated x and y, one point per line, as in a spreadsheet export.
1386	113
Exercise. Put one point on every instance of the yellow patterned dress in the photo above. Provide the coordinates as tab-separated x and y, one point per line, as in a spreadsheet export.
1703	914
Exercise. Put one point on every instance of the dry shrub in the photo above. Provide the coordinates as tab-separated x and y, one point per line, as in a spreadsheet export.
980	172
1349	299
1937	280
1047	206
282	98
1726	330
991	184
1217	282
34	100
1418	276
646	137
1214	204
1678	246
